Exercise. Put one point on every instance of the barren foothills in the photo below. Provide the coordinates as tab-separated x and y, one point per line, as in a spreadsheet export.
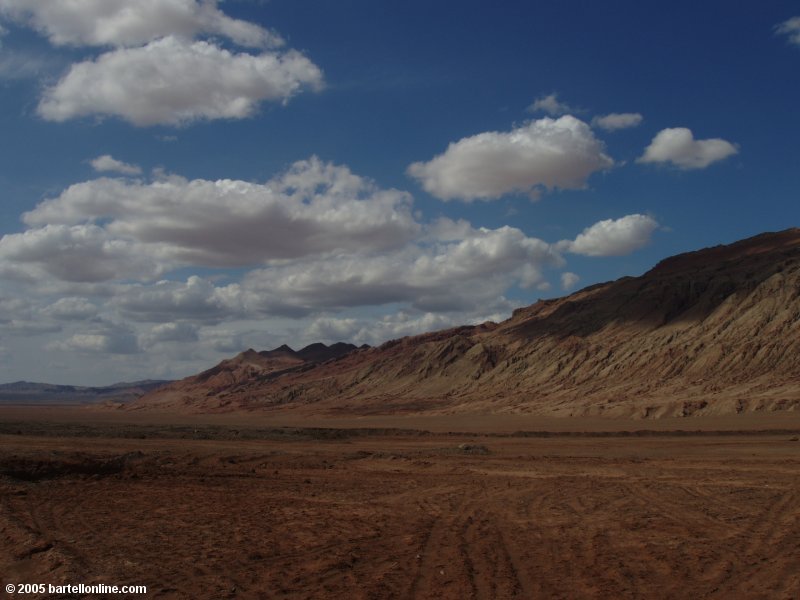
712	332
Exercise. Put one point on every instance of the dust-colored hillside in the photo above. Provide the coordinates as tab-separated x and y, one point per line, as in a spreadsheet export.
715	331
248	369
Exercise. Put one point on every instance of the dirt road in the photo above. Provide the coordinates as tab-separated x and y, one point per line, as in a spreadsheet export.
406	516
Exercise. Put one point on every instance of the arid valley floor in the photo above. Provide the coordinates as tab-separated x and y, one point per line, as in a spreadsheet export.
402	509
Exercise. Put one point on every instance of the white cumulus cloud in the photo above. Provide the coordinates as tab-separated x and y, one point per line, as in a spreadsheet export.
614	121
612	237
173	81
126	23
107	163
543	154
313	208
678	146
458	275
116	229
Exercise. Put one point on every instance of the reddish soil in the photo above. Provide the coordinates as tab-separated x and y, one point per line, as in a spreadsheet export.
333	513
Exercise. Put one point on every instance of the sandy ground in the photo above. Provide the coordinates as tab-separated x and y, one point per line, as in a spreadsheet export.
345	514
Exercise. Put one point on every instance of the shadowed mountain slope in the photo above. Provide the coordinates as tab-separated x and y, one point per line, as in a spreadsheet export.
715	331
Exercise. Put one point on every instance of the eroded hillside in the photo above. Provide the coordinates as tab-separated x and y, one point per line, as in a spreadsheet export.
715	331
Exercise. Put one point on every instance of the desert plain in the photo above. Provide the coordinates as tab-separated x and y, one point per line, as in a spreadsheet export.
233	506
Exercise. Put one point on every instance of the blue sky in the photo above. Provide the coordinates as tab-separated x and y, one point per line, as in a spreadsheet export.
187	179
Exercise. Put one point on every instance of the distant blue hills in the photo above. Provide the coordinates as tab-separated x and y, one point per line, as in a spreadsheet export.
27	392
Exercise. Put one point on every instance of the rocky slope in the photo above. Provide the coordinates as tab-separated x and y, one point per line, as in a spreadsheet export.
246	370
715	331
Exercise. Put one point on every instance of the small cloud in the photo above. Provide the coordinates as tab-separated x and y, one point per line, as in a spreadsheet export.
569	280
614	121
678	146
612	237
791	29
167	138
551	105
544	154
106	163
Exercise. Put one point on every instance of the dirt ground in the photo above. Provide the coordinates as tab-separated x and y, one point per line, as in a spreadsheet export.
206	511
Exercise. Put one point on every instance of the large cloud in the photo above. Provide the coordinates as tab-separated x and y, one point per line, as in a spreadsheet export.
173	81
678	146
324	239
470	274
546	153
465	275
454	276
612	237
314	208
127	23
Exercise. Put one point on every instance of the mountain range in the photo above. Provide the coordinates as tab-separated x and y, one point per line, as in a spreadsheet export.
716	331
